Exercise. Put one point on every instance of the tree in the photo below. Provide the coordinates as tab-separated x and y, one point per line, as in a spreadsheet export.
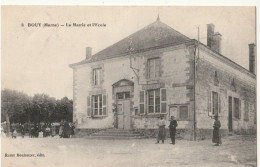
12	107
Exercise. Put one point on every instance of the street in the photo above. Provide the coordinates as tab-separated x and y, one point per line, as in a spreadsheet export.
43	152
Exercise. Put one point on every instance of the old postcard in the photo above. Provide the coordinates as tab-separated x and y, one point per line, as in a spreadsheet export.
128	86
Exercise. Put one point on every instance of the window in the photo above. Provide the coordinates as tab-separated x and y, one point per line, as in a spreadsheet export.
184	112
154	68
123	95
246	111
215	103
237	108
154	101
180	112
97	76
97	104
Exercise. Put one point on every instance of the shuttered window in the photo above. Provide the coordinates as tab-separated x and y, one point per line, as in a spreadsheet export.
98	105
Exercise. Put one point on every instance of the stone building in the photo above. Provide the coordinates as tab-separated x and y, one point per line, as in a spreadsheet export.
159	71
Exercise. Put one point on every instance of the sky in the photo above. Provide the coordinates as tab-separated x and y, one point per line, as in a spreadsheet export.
36	59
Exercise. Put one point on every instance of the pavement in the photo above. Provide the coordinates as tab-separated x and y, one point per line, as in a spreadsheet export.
47	152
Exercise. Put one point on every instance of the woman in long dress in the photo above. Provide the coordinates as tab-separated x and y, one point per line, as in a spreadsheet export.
216	135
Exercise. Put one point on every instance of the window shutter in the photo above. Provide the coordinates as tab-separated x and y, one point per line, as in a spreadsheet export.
104	99
142	101
239	109
91	106
219	104
163	100
209	103
88	107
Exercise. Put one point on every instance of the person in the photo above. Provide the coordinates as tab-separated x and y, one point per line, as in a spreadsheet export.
61	130
22	131
47	131
216	135
72	129
53	130
14	133
172	129
161	134
66	130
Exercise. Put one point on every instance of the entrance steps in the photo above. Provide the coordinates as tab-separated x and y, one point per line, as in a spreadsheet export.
115	134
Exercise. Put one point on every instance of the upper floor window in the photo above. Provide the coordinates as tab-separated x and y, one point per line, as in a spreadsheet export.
97	76
154	68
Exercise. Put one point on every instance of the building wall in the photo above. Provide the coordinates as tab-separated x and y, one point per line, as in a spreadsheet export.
112	72
176	78
231	81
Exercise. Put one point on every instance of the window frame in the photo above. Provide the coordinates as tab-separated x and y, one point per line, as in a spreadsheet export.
99	105
178	109
237	113
149	63
154	105
97	80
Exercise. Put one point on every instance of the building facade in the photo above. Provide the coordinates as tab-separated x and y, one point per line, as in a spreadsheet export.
158	71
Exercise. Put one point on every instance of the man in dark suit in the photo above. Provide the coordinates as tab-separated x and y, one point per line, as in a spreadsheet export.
172	129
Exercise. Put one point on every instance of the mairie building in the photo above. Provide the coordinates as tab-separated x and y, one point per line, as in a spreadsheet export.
158	71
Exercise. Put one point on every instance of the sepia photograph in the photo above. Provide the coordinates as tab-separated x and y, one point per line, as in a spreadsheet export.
143	86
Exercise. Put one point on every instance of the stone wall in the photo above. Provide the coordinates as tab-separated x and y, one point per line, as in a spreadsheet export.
227	79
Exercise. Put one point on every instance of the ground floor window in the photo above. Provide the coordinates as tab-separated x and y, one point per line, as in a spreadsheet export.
237	108
180	112
246	111
154	101
96	105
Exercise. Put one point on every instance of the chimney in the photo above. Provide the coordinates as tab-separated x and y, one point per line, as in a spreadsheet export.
252	58
216	45
213	39
210	33
88	52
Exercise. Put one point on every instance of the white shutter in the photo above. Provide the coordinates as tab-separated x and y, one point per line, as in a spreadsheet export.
210	103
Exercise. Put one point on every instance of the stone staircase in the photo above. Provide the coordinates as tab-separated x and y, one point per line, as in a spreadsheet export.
115	134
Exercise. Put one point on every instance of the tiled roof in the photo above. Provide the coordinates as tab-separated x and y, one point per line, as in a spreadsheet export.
153	35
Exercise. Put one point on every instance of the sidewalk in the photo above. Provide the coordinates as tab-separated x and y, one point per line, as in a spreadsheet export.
235	151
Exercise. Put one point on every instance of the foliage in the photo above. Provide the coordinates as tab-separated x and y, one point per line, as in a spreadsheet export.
21	108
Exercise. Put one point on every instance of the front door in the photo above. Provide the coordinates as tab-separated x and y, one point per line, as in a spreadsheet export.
230	128
123	111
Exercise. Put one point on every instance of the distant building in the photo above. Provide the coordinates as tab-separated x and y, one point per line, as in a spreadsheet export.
151	73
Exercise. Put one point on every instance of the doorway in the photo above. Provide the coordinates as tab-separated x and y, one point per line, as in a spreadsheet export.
123	112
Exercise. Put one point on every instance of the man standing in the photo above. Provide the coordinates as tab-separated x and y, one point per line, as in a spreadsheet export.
161	134
172	129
